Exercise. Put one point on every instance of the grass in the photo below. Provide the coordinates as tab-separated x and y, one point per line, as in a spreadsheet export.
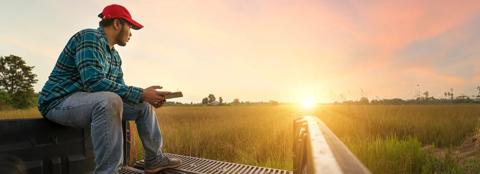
391	139
19	113
387	139
256	135
441	125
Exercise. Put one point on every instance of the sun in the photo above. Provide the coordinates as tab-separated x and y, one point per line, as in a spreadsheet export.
307	98
308	102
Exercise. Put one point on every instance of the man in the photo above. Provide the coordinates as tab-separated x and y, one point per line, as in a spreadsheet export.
86	89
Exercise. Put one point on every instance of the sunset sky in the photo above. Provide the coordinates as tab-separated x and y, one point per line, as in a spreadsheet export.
270	49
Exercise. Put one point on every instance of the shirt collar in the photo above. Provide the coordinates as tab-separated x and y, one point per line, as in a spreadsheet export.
104	36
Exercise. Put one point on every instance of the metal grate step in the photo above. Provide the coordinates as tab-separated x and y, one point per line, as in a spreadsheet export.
130	170
207	166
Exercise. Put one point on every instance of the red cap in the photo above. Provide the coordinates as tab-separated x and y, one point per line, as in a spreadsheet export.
117	11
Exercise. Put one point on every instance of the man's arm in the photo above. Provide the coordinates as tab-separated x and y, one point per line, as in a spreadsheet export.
150	94
120	77
88	58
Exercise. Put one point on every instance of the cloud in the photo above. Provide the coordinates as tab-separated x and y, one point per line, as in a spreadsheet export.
386	27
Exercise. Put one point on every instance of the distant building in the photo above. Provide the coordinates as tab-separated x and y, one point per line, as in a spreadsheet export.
214	103
462	97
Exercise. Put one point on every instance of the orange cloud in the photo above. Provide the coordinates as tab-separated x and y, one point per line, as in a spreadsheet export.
392	25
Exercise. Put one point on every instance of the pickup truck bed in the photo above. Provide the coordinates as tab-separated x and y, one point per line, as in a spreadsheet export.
47	147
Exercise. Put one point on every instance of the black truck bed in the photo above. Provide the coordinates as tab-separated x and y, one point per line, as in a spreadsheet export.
47	147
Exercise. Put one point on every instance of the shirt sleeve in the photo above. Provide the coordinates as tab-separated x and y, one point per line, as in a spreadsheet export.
88	59
120	78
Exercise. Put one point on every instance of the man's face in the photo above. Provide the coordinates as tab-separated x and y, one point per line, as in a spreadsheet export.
124	34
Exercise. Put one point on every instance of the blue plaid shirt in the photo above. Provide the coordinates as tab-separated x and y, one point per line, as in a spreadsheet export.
86	64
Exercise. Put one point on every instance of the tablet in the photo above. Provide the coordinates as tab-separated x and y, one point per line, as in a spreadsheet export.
174	95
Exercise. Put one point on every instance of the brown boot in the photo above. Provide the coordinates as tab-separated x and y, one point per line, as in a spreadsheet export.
164	164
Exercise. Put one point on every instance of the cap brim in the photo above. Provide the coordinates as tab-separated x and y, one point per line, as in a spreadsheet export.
135	24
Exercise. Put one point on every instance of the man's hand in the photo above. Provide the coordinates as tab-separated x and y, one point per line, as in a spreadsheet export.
159	104
154	97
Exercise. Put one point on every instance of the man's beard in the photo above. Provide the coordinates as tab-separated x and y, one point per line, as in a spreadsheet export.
120	36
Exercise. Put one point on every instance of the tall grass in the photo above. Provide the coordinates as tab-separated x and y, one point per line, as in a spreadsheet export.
256	135
390	139
20	113
441	125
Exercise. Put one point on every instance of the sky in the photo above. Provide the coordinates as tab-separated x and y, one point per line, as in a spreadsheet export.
283	50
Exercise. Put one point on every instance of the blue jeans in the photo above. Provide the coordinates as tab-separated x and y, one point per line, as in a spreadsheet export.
103	112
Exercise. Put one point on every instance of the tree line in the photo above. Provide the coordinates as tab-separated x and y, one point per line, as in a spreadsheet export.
211	100
425	98
16	83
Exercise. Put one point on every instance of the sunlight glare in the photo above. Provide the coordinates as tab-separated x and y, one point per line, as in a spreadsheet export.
308	102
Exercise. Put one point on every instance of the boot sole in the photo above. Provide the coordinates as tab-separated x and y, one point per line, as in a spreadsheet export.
152	171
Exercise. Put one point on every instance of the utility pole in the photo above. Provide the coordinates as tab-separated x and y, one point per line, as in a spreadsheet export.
478	89
451	94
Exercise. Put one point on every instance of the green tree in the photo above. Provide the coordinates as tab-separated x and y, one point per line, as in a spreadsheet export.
17	79
220	100
363	100
205	101
211	98
4	100
236	101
